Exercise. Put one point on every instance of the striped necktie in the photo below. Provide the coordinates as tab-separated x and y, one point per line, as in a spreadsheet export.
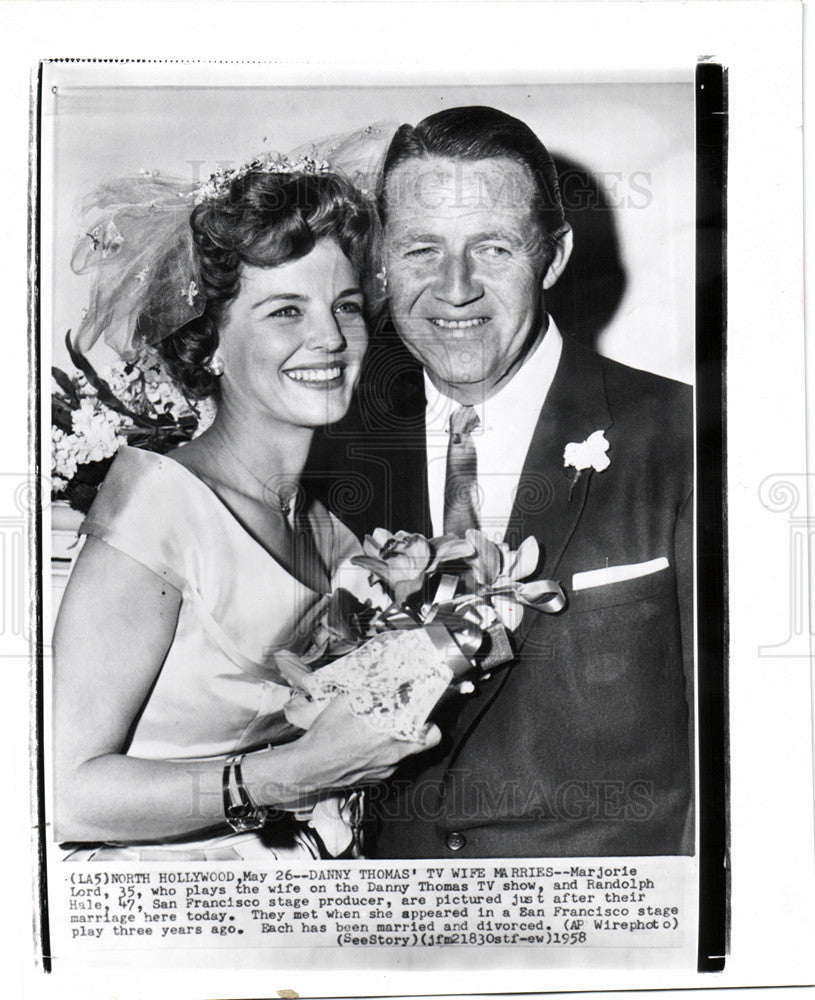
461	500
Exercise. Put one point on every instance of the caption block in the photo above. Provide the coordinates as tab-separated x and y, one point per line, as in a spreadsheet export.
364	905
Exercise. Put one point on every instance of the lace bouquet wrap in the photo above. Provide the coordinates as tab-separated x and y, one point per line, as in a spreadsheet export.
395	658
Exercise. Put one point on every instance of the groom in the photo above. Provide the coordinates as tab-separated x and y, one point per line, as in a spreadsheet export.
581	747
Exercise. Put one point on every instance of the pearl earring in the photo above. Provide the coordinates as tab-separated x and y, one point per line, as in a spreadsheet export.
215	366
382	277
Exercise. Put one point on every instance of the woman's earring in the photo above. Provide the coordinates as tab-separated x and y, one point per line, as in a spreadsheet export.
382	278
215	366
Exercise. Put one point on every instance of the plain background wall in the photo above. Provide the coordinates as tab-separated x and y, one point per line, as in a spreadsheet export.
630	286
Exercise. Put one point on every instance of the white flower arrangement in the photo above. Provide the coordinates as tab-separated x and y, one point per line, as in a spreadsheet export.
131	402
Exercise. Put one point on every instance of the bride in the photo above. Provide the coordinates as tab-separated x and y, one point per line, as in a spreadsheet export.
170	740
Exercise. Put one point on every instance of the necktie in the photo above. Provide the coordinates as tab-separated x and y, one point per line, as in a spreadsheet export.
461	483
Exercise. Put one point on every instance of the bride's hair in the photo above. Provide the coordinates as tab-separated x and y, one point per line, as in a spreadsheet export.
263	220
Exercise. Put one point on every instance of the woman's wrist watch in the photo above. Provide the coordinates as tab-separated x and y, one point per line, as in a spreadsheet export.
240	811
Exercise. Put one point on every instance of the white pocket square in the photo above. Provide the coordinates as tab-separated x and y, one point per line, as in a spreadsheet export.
616	574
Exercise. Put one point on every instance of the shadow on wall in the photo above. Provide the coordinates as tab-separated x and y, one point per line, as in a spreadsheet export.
591	288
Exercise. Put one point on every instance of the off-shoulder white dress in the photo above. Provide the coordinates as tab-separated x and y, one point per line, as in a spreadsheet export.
215	694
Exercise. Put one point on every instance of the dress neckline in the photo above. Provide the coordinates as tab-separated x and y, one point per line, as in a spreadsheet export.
217	502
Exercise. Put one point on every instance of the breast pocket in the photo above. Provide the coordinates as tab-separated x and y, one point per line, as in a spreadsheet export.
651	583
623	639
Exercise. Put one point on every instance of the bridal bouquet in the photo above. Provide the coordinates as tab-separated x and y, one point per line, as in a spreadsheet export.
442	619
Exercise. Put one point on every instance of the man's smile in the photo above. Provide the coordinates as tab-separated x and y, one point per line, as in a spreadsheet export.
458	324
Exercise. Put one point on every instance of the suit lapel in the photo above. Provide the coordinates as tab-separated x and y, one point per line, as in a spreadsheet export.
547	503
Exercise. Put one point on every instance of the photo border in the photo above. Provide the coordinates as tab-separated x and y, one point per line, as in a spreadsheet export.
758	42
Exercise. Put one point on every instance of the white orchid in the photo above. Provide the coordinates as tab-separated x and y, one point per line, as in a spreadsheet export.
498	571
403	561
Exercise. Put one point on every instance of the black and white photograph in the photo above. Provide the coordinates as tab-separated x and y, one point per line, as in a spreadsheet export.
372	478
388	532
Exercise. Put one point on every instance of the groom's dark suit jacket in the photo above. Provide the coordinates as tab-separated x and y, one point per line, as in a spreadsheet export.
581	747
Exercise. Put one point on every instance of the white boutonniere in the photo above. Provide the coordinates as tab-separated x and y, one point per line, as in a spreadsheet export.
588	454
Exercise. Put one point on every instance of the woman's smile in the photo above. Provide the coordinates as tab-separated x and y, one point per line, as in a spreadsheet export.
318	376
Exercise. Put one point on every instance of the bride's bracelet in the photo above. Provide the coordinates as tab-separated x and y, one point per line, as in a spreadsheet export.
240	811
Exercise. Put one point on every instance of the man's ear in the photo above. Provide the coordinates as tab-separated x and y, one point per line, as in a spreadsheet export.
563	251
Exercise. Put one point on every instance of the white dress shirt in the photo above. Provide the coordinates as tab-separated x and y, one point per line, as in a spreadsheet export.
502	440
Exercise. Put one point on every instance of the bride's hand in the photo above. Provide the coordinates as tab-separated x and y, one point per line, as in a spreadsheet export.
338	751
352	751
